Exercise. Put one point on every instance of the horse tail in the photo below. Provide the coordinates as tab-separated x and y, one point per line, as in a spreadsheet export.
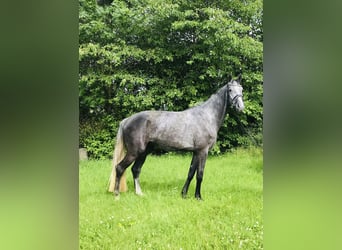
118	155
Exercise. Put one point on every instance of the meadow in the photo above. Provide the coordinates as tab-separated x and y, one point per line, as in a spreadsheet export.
229	217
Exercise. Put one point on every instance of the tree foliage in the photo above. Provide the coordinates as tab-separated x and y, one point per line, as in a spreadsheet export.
139	55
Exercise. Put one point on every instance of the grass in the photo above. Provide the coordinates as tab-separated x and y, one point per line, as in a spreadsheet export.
230	217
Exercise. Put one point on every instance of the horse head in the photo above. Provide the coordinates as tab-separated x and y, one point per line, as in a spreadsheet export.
235	94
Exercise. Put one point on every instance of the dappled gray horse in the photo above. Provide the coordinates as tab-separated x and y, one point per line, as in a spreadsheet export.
193	130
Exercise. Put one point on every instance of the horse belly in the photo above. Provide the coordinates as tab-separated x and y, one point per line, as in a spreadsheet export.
172	138
174	143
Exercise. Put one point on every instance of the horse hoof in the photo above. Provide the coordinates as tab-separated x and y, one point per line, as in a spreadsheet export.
199	198
139	193
116	197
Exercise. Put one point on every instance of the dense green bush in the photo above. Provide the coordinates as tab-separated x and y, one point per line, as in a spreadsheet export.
97	137
167	55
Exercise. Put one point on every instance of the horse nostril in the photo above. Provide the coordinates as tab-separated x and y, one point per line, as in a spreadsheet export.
240	107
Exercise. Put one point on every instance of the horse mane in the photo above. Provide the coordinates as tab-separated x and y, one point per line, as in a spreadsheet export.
219	93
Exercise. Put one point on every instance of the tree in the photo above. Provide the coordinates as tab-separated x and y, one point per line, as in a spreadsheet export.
168	55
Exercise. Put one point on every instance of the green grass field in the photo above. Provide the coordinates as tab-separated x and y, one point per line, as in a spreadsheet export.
229	217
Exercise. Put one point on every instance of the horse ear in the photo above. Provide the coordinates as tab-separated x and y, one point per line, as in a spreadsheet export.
239	78
230	78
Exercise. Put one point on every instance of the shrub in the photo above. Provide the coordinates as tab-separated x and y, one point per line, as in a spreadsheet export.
98	138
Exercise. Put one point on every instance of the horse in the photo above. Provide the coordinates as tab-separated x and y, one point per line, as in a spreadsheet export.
194	129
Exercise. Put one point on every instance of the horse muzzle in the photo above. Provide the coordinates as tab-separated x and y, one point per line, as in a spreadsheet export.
237	103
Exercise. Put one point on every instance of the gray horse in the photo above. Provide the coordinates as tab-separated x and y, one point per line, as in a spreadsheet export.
194	130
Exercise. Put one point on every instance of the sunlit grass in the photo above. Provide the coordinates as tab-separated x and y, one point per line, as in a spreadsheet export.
230	217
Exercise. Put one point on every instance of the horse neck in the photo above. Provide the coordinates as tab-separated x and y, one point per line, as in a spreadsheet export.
217	106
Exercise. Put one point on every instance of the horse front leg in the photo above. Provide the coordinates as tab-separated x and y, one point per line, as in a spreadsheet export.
192	170
199	176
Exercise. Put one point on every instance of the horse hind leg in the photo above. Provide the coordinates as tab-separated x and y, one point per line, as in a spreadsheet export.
136	169
120	169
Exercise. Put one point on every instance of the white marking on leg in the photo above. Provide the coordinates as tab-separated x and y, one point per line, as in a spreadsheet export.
137	187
